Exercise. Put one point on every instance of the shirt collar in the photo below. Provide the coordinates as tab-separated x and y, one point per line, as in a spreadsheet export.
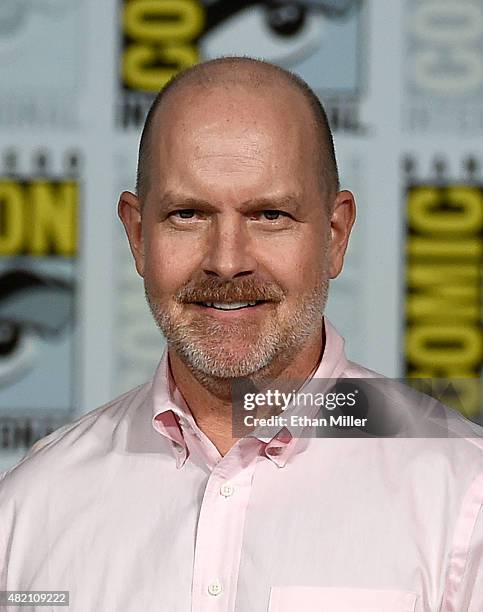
169	407
283	445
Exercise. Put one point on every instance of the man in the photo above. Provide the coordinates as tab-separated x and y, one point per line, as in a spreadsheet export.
154	502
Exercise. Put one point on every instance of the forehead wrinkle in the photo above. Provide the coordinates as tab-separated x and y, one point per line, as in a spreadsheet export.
226	146
247	142
224	162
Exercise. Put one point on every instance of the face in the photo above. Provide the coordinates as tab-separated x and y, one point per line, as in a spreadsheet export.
235	244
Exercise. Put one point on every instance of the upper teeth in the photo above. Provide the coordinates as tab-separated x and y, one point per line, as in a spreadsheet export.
229	306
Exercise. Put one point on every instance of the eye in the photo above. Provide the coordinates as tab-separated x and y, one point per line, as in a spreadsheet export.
185	213
272	215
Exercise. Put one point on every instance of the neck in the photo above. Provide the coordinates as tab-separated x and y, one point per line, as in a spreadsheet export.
210	399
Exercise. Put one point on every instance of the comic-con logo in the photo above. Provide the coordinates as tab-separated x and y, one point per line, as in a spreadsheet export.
443	274
444	66
38	249
162	37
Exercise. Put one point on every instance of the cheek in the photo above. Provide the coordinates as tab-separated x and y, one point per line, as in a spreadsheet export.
169	263
296	267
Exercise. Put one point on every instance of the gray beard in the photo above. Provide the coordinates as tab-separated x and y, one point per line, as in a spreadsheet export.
198	342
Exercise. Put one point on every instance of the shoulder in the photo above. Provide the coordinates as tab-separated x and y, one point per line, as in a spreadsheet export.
433	430
90	435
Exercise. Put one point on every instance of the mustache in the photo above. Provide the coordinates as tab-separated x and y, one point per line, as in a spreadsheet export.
239	290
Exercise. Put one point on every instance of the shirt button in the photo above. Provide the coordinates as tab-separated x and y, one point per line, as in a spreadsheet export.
179	448
227	489
214	588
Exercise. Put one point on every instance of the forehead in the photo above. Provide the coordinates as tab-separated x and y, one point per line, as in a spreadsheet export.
233	126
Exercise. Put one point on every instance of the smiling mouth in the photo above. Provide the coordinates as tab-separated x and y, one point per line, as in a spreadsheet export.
230	305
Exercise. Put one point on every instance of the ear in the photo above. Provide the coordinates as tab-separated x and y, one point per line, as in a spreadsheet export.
341	222
129	211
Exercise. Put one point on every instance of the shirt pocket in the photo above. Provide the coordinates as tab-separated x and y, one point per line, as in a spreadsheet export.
328	599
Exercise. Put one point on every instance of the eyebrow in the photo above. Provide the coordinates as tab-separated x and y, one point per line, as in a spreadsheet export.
289	203
171	200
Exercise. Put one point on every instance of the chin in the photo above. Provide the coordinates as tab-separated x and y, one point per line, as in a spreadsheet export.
225	364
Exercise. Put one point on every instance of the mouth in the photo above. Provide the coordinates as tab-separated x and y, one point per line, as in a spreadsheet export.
230	305
231	309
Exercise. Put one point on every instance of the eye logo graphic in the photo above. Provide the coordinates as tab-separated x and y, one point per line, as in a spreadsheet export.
160	38
283	32
32	306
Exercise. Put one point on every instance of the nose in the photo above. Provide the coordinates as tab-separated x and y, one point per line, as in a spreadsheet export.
228	253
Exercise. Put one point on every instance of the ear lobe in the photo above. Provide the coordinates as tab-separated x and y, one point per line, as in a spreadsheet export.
129	211
341	222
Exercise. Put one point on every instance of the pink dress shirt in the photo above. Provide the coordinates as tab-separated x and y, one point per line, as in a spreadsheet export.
132	509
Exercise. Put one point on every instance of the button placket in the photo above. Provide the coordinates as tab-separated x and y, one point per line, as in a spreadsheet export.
220	534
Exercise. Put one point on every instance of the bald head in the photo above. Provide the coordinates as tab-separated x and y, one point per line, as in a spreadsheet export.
255	76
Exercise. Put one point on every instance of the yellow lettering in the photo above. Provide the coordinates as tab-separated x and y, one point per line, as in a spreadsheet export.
11	218
458	346
53	225
141	72
163	22
451	249
443	291
426	214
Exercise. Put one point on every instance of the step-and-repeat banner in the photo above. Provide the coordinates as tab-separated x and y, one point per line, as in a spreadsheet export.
402	83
